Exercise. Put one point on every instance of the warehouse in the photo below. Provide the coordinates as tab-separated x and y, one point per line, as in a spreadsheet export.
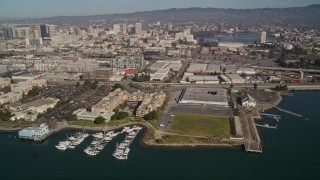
204	79
213	68
248	71
196	68
236	79
204	96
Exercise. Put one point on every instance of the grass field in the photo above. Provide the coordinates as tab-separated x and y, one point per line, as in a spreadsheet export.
118	122
199	125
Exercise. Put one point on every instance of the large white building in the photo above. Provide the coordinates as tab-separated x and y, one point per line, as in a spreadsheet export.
83	114
263	37
205	96
116	28
138	28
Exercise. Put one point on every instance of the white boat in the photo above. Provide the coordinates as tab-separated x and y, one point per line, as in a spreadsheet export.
95	142
91	152
125	129
126	152
71	147
107	138
98	135
61	147
137	127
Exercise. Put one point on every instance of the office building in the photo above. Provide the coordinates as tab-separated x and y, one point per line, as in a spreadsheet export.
7	33
170	27
124	29
52	30
138	29
42	30
263	37
116	28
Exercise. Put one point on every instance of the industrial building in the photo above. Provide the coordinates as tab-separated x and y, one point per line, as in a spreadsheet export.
159	75
247	71
204	96
204	79
130	62
213	68
197	68
236	79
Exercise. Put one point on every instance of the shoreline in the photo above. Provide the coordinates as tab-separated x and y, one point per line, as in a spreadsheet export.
144	142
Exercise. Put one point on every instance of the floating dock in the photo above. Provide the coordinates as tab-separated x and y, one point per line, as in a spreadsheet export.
289	112
273	116
266	126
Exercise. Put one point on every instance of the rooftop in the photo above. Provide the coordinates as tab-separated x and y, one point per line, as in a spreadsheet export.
205	94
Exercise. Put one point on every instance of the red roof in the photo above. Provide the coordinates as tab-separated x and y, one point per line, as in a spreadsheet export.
129	71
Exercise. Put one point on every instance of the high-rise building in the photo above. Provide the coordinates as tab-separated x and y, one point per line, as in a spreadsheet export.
7	33
22	32
124	29
43	30
145	26
220	28
170	27
138	28
116	28
263	37
52	30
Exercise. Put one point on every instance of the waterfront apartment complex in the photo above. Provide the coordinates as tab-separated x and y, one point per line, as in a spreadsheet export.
150	102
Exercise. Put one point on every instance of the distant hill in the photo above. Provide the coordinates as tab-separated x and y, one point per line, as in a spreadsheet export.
308	15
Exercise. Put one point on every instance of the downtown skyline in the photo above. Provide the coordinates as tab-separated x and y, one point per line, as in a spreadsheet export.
44	8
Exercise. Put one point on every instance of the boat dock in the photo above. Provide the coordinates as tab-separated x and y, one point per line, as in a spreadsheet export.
289	112
253	146
273	116
267	126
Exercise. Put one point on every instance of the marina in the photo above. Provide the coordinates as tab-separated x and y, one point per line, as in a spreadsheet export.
72	141
122	149
100	140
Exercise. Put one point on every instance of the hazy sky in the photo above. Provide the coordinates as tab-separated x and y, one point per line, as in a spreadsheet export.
46	8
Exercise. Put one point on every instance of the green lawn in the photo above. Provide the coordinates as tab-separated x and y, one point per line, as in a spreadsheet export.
178	140
83	123
118	122
198	125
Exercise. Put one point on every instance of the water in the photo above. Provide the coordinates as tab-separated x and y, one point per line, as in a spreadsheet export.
290	152
246	38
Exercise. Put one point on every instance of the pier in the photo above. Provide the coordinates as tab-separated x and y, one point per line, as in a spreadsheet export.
253	146
273	116
267	126
289	112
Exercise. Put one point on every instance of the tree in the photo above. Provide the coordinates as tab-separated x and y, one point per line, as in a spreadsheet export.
224	70
34	92
94	85
71	117
150	116
117	86
99	120
255	86
87	83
